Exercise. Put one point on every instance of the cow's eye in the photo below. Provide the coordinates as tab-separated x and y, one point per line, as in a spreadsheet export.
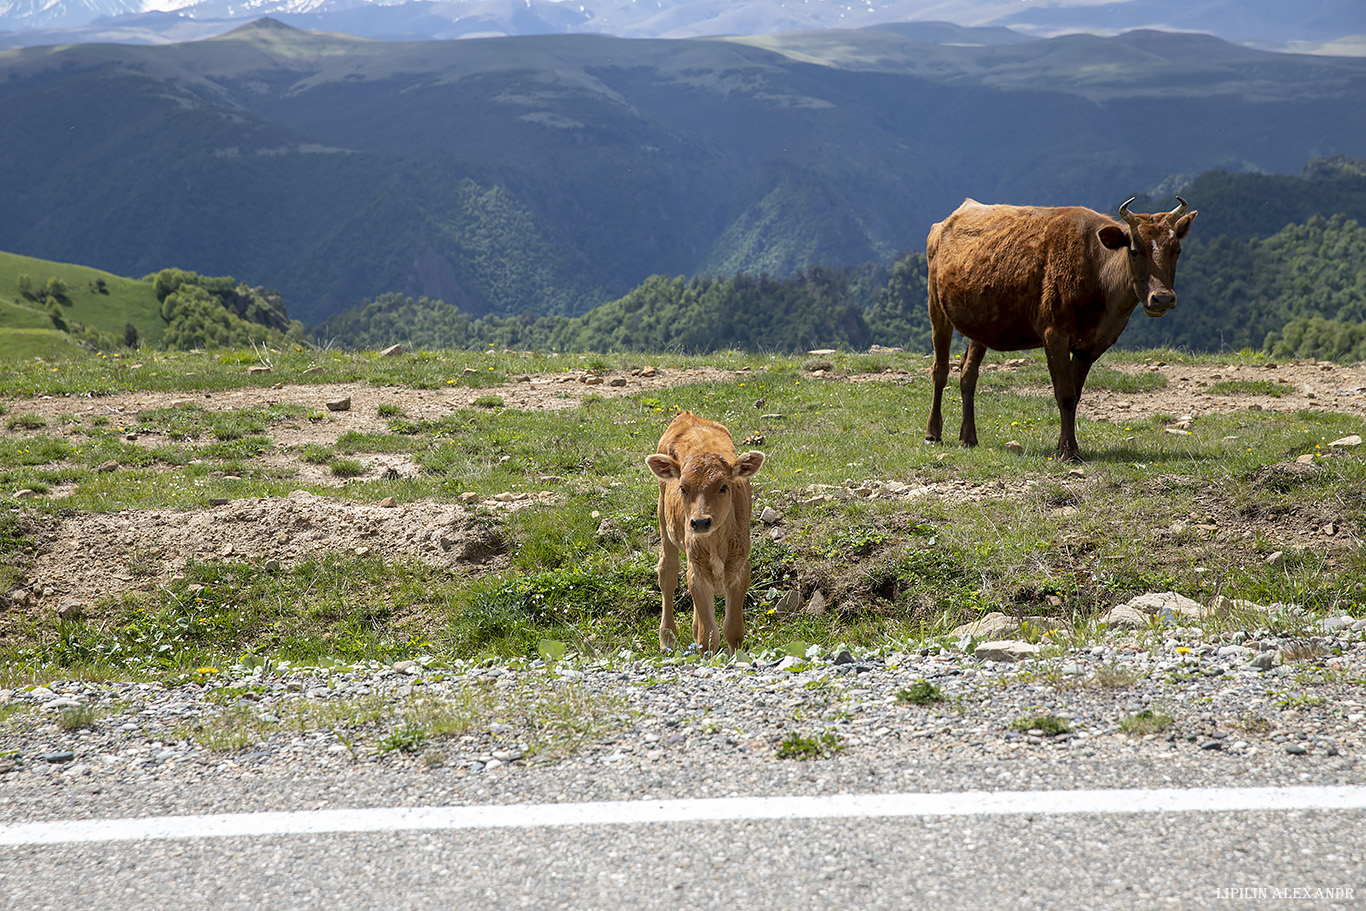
683	490
725	487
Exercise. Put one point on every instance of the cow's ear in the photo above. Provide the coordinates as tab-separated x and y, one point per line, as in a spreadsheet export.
1184	224
1113	237
747	466
663	467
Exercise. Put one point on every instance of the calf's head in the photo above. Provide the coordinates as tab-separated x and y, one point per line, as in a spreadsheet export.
706	485
1153	243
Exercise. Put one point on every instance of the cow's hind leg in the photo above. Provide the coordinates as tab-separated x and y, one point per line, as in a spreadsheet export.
668	583
942	328
967	384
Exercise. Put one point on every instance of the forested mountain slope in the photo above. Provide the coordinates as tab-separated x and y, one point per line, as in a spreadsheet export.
552	174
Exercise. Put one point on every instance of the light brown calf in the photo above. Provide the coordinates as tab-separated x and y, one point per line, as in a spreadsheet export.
704	509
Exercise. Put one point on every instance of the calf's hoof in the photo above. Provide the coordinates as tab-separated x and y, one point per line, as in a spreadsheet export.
929	439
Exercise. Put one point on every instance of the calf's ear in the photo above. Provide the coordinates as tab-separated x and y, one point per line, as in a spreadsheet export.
1184	224
663	467
748	464
1113	237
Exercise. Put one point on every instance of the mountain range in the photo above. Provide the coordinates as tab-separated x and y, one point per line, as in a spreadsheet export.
548	174
1328	26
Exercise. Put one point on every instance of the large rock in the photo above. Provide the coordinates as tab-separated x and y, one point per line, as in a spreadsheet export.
817	605
1006	650
994	625
1170	604
1122	616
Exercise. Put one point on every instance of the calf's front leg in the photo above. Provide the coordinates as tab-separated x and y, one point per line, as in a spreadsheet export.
668	583
704	630
733	625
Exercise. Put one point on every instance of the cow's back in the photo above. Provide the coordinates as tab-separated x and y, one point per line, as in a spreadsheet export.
990	265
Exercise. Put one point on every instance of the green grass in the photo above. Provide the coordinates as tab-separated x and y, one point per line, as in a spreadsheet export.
1050	725
1146	721
1019	534
803	747
1250	387
922	692
346	468
77	718
27	344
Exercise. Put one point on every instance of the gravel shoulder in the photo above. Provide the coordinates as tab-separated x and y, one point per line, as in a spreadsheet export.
686	729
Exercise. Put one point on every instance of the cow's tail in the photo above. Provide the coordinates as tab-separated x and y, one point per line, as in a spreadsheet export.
931	250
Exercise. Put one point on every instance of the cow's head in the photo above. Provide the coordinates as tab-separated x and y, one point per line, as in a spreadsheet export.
1153	243
706	485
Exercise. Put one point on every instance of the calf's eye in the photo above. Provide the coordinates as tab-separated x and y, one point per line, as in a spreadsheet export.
725	487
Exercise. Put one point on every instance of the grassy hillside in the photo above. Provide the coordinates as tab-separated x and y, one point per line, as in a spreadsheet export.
48	344
99	300
548	175
56	304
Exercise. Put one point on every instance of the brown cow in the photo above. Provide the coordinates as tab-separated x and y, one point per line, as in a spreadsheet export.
1066	279
704	510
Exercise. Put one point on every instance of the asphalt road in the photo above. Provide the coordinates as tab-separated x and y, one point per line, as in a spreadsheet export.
1187	859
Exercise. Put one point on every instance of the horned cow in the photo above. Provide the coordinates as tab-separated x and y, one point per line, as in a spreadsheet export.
705	503
1064	279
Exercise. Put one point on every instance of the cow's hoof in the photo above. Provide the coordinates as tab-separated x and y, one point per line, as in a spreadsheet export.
668	640
930	439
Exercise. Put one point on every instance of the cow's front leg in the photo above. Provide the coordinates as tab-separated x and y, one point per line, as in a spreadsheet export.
1065	394
967	385
668	583
704	630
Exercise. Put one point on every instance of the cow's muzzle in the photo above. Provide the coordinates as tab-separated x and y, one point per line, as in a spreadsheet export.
1159	302
701	526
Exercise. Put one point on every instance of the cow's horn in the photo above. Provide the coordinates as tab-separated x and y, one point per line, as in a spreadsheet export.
1180	209
1128	216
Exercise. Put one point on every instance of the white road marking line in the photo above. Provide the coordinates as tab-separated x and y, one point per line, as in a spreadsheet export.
726	809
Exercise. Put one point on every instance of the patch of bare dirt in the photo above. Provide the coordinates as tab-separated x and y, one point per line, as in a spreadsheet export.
552	392
86	557
1194	389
